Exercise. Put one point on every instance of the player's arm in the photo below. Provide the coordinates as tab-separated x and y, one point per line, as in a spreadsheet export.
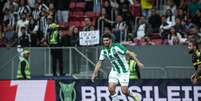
134	57
97	68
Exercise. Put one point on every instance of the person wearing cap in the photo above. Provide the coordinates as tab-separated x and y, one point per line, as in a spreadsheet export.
54	40
24	66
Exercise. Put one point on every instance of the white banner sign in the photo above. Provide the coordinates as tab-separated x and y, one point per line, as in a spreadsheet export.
89	38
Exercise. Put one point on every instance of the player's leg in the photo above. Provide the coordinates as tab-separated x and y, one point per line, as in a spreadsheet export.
111	88
113	81
196	77
125	90
124	81
193	79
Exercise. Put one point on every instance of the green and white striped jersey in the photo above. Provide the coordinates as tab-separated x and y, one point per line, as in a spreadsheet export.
116	54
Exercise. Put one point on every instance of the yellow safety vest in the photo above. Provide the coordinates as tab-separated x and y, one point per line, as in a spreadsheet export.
132	68
53	38
146	4
27	69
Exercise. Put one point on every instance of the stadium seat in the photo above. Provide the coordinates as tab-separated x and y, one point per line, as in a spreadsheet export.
78	14
157	41
80	5
154	35
74	23
90	14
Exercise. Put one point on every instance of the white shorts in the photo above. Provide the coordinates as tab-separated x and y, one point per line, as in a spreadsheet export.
122	78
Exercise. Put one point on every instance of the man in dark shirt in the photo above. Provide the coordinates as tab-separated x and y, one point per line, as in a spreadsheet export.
196	59
24	40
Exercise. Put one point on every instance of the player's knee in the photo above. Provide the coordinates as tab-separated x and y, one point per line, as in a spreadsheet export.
111	90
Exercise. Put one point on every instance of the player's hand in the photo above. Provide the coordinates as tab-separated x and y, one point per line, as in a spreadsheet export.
93	77
140	64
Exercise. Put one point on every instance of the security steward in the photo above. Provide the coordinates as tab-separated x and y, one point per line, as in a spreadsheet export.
54	41
134	70
23	72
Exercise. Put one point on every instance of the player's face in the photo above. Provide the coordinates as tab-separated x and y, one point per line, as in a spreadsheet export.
190	47
107	42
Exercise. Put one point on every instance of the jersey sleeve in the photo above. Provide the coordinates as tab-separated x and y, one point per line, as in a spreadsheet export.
120	49
102	56
197	59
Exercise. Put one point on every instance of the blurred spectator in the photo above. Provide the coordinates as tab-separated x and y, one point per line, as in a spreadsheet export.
33	31
181	14
75	37
108	9
114	4
180	27
88	24
10	37
24	8
125	12
52	10
164	28
23	22
146	6
43	24
193	6
119	28
197	18
2	30
170	18
188	24
36	12
154	21
66	37
103	20
10	4
2	44
130	40
142	29
2	2
31	3
9	18
183	5
147	41
42	6
43	15
174	37
96	5
123	5
172	7
62	8
24	40
196	34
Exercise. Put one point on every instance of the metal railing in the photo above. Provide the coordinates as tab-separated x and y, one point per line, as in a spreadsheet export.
79	62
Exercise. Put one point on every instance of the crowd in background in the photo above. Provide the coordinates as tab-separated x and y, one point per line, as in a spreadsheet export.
131	22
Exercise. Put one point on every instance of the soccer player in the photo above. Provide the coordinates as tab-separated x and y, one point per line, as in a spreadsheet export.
196	59
116	53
